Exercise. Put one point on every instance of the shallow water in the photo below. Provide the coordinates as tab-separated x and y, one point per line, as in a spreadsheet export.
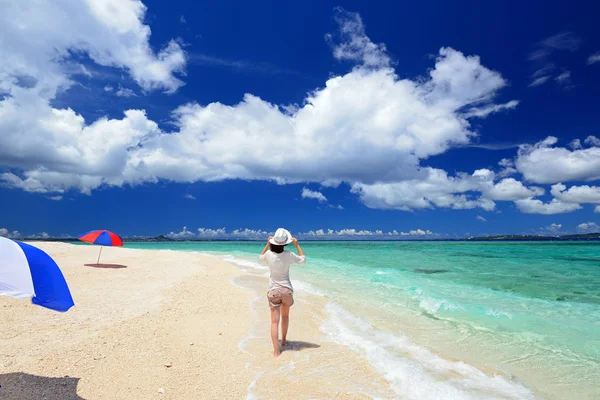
528	310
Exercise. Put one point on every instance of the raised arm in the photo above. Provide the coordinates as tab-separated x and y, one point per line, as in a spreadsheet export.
297	245
267	246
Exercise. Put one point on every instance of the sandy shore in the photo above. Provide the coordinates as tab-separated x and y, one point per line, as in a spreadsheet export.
162	324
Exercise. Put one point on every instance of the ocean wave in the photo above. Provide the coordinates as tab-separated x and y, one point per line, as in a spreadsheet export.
307	287
433	305
241	262
497	313
250	394
412	371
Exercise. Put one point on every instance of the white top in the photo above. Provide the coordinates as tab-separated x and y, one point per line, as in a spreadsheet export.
279	264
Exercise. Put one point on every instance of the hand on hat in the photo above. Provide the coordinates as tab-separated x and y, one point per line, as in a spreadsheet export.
269	239
294	241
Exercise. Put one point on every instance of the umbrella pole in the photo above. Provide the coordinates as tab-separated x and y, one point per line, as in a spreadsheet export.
99	255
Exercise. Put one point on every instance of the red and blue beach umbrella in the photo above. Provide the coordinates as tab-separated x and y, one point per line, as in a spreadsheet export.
103	238
28	272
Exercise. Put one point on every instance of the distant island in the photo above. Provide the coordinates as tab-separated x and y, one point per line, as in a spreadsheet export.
581	236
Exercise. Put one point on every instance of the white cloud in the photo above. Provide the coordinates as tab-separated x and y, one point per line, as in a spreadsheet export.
564	200
55	198
437	189
479	217
309	194
354	232
543	163
565	41
592	141
354	44
576	194
249	234
108	88
59	151
331	183
434	189
597	210
589	227
542	75
318	232
387	126
182	20
222	233
184	233
50	145
564	77
211	233
534	206
8	234
575	144
546	70
189	197
508	168
539	81
125	92
40	38
484	111
564	80
594	58
384	134
418	232
510	189
29	184
553	228
542	58
381	126
351	232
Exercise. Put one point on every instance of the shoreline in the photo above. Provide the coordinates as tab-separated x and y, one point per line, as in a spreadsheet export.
175	298
331	328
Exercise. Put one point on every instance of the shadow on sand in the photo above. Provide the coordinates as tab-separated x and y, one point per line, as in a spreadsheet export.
293	345
114	266
21	386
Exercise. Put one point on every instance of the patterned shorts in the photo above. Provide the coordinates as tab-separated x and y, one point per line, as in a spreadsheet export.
280	296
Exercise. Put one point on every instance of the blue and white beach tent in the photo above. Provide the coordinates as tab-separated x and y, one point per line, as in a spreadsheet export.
28	272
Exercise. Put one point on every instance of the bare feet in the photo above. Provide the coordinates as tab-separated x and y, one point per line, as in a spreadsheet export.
277	353
283	343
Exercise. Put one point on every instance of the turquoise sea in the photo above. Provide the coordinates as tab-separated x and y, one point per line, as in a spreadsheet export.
529	311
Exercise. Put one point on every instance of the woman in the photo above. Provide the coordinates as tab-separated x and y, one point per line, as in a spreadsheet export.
281	292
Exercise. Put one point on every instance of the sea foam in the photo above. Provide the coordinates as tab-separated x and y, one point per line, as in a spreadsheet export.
412	371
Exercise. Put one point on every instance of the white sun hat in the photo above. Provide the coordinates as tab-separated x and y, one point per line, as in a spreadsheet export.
281	237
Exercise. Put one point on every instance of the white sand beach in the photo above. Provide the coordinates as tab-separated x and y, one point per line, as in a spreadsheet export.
151	324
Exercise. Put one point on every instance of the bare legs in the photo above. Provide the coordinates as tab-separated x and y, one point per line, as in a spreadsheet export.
284	311
275	330
285	322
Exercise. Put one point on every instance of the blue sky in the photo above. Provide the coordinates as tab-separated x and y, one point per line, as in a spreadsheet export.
397	120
